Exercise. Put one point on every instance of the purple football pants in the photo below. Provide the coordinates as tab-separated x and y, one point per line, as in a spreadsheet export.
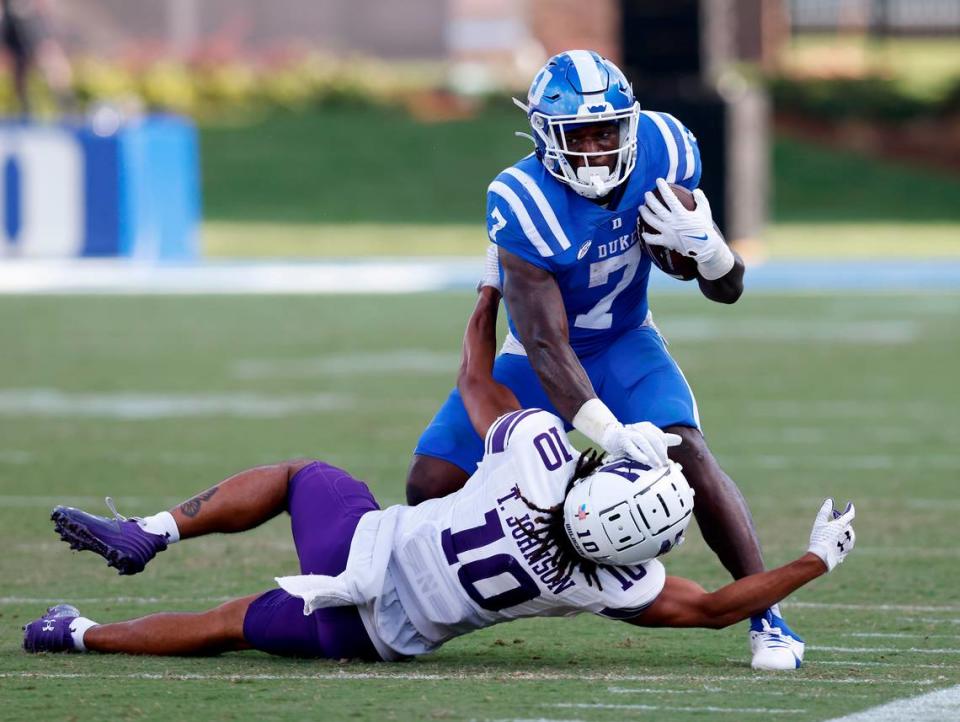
325	505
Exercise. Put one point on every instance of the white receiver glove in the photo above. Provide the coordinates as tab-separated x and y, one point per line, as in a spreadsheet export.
643	441
491	269
689	233
832	537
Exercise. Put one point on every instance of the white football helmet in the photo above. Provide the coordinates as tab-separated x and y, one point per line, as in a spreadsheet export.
627	513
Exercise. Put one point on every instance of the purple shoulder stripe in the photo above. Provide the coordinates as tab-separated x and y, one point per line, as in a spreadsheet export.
499	435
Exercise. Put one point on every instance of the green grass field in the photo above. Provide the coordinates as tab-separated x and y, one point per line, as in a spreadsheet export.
152	399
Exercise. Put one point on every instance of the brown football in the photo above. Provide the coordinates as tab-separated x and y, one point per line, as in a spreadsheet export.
670	262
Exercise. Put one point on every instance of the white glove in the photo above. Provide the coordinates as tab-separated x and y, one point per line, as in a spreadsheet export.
643	442
491	270
689	233
832	537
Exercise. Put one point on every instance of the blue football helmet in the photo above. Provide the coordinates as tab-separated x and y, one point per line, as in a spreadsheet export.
575	88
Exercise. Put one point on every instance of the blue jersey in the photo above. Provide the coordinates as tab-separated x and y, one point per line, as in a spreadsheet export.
591	250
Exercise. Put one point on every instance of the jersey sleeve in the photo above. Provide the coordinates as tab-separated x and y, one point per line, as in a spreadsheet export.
628	591
520	219
672	149
536	445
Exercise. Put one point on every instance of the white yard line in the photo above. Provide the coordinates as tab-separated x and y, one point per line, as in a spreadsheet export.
114	600
946	608
912	552
136	406
872	462
531	719
705	689
940	706
884	650
413	676
891	665
667	708
899	635
780	331
854	663
417	361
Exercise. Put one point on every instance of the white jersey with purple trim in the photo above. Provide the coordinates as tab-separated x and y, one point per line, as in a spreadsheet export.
465	562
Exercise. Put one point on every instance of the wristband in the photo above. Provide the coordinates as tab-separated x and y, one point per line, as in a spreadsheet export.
719	264
592	420
820	551
491	270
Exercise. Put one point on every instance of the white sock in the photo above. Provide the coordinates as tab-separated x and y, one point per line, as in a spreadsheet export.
163	524
776	610
78	628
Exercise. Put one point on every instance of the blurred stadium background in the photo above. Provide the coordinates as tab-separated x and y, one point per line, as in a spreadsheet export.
207	159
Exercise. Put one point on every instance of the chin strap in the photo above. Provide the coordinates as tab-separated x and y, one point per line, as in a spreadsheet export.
529	137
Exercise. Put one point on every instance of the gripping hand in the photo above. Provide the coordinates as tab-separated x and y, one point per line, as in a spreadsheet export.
643	442
832	537
689	233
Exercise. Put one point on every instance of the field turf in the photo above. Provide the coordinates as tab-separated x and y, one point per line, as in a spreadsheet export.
152	399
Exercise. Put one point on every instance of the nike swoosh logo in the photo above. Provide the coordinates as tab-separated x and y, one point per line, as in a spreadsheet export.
699	238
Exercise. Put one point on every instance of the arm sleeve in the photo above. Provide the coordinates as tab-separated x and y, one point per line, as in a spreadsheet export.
676	155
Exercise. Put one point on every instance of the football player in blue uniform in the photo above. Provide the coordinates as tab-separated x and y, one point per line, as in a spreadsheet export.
581	342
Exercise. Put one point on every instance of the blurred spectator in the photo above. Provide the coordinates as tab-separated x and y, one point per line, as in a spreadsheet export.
27	38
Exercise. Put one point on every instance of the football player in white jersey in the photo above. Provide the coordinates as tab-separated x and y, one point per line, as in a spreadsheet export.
538	530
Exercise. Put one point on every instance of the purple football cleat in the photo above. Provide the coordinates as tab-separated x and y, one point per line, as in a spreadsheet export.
51	633
121	541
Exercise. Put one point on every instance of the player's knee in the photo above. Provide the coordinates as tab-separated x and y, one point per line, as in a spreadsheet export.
295	465
431	478
692	452
225	623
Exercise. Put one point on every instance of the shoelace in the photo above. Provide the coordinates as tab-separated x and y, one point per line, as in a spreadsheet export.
772	633
119	518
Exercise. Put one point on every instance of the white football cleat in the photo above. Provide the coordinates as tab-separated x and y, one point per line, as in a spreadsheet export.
773	644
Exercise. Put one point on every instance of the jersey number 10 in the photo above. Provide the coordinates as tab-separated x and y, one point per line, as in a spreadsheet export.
497	565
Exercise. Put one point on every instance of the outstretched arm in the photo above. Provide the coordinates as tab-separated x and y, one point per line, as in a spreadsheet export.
683	603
